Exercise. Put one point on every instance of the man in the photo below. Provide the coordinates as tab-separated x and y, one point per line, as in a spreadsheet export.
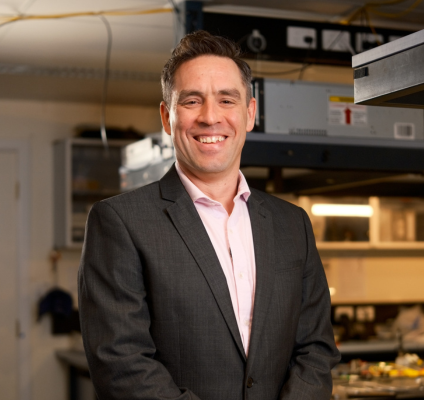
195	287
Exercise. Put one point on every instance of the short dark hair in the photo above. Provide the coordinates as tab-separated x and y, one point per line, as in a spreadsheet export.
201	43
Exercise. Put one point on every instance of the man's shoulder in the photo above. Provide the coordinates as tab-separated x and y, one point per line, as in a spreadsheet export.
140	198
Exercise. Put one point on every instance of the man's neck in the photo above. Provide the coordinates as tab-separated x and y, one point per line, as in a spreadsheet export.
218	187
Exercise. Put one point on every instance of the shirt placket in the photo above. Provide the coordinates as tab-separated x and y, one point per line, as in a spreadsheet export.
241	275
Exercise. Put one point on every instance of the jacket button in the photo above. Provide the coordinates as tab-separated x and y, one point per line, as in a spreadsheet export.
249	382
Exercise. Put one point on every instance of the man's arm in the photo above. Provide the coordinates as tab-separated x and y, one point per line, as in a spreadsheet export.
315	353
115	317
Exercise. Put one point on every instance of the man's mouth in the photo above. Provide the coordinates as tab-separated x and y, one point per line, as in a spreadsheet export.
210	139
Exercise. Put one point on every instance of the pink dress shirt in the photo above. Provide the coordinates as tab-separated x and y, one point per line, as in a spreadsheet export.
231	237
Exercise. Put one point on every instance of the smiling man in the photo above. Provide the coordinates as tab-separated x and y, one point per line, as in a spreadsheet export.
208	115
197	287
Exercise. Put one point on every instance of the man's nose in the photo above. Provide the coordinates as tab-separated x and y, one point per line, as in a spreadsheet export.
210	113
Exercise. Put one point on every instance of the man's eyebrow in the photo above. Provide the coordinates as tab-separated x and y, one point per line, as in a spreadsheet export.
230	92
187	93
226	92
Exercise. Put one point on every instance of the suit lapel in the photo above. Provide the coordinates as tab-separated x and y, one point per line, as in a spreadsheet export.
186	220
263	239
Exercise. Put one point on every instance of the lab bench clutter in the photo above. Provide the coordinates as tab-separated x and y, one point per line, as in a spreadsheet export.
382	347
382	353
402	379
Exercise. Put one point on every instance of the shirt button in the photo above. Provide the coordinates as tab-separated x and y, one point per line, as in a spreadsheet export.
231	231
247	322
250	382
240	275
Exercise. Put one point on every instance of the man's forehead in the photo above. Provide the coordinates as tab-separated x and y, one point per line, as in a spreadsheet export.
206	65
208	74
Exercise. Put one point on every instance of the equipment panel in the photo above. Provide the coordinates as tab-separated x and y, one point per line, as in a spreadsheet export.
314	109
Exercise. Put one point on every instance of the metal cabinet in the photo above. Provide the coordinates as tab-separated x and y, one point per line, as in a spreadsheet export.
84	172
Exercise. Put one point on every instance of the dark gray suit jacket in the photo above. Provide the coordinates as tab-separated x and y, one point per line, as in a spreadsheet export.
156	313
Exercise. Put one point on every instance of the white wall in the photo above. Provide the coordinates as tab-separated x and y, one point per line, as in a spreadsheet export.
40	124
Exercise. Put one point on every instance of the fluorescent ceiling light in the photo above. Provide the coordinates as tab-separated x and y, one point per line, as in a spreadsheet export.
342	210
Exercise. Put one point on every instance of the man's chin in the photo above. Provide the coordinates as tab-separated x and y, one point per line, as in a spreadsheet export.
213	168
209	168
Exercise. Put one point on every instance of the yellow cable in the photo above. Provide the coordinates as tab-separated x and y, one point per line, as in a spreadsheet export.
377	38
385	3
353	16
371	7
364	11
396	15
85	14
363	8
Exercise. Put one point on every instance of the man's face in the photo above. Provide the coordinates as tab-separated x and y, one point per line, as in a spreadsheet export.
208	117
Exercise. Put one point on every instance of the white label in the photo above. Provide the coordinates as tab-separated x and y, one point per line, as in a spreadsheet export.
302	38
342	111
404	130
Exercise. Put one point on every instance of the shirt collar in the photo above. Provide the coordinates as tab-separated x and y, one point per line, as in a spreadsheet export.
196	194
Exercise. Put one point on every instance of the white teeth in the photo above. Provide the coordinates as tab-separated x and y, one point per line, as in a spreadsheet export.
211	139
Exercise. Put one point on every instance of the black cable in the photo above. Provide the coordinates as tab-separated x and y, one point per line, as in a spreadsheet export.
106	81
177	10
240	41
179	20
306	64
302	70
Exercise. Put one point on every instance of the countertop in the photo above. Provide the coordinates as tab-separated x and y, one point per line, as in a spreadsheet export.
74	358
377	346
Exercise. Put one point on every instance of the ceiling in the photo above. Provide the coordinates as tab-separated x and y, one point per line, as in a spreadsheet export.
64	58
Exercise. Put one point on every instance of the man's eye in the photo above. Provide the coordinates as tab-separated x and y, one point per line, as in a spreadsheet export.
227	102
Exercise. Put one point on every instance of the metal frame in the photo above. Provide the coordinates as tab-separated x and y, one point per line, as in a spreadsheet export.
391	75
285	151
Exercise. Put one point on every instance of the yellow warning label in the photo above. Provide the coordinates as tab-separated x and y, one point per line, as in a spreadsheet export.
341	99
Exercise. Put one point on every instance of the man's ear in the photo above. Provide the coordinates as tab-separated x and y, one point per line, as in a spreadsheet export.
251	114
164	115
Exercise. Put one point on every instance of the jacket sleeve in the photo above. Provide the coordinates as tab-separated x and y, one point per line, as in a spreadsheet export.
115	317
315	352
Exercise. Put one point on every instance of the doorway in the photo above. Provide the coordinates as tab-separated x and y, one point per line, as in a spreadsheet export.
14	308
9	320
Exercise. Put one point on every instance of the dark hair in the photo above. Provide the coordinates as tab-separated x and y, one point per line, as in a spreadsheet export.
197	44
